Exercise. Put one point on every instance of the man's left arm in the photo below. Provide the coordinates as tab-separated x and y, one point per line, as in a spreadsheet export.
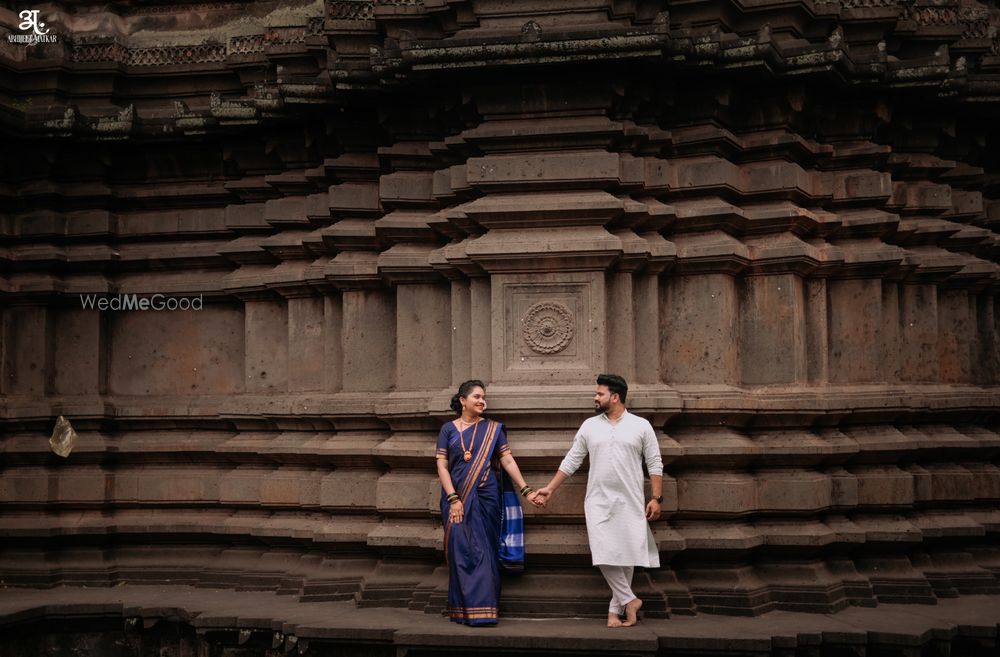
654	465
653	507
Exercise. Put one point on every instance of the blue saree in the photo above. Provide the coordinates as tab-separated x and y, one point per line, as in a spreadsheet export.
472	546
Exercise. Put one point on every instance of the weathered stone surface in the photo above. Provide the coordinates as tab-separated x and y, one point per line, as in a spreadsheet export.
779	222
184	619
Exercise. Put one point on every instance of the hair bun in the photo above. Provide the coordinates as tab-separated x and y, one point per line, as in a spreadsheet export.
456	404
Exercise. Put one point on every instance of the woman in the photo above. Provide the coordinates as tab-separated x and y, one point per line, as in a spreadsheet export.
470	452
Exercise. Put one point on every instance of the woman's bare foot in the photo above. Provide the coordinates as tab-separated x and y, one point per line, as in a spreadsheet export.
632	613
613	620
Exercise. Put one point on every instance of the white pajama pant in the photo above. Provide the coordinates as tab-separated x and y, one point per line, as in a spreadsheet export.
619	578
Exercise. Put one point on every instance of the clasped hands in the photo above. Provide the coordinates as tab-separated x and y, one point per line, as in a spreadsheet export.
540	497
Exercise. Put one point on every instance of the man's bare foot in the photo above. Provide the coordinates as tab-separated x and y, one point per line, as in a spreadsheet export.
613	620
632	613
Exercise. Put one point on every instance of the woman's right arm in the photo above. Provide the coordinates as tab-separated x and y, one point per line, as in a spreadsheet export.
445	477
457	509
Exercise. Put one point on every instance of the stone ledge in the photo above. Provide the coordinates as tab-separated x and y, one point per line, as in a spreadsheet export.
709	567
528	405
966	626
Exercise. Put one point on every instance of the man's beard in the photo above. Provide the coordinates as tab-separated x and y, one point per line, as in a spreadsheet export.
598	408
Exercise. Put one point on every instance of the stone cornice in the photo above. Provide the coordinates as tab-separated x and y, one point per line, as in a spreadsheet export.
803	407
950	53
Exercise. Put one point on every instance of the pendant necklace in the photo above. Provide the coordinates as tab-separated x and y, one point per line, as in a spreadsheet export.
466	454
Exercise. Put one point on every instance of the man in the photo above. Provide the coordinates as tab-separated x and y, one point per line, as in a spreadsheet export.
615	507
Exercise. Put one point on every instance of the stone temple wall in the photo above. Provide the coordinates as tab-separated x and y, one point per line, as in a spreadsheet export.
778	220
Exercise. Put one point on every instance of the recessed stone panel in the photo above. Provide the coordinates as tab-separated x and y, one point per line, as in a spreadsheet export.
548	328
179	352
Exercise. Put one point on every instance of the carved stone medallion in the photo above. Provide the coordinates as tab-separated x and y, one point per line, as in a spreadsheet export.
548	327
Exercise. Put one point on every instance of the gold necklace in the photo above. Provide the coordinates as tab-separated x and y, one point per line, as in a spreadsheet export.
466	454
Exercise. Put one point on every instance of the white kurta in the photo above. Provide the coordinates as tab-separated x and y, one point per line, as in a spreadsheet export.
615	505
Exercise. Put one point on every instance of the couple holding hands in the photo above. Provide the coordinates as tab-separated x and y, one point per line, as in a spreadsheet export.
473	462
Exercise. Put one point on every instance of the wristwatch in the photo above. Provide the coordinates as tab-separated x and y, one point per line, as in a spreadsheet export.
658	498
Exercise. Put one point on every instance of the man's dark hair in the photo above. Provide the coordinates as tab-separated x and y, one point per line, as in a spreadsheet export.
615	384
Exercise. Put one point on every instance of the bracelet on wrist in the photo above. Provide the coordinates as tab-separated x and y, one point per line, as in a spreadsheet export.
527	490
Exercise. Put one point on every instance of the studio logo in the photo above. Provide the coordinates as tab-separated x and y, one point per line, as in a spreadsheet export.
34	30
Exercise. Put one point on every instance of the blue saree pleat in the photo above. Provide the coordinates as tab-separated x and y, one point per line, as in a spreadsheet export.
471	546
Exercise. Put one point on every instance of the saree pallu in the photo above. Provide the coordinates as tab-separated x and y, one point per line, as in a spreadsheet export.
471	546
511	527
